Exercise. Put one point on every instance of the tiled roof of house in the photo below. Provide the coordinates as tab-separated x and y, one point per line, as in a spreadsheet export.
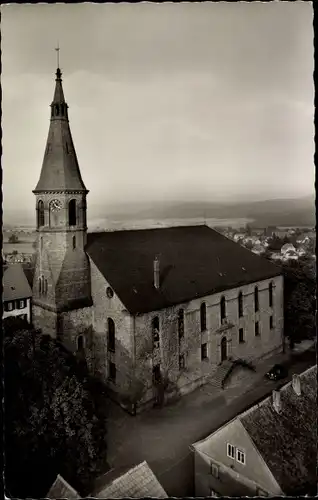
195	261
137	482
288	441
61	489
15	283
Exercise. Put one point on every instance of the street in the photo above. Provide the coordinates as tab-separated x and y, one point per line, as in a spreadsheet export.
163	436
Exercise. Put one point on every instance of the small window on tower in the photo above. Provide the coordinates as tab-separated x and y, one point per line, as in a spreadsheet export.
56	109
72	213
40	213
62	109
74	242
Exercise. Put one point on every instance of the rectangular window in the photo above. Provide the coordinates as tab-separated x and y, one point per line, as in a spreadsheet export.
21	304
231	451
181	323
214	470
271	322
204	351
270	295
240	305
256	329
240	456
156	374
8	306
112	372
181	362
256	300
241	335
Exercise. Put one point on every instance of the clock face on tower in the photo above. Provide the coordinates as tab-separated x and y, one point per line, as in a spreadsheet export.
55	205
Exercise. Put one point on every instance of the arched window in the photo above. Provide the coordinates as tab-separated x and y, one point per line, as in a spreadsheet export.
181	323
56	109
62	109
240	304
270	294
256	299
40	213
223	309
203	317
72	213
74	242
111	335
41	243
40	285
80	343
155	332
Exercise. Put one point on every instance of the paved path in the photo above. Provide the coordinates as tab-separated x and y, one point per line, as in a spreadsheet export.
163	436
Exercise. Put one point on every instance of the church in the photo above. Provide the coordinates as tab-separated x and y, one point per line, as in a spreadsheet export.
173	305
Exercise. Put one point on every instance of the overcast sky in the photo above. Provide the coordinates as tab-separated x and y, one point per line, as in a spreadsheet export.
208	101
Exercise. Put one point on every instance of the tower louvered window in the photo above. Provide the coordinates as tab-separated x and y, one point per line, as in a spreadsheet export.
40	213
72	213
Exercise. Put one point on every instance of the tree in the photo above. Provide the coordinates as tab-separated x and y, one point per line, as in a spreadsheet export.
13	238
54	416
299	300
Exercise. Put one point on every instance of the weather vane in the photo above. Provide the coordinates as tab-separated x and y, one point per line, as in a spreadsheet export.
58	55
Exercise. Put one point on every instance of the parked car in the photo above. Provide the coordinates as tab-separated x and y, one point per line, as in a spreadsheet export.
277	372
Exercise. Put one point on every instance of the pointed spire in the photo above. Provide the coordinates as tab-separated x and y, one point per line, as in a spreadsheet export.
58	93
60	170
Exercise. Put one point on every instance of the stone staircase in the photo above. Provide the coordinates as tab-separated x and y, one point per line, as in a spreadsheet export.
216	380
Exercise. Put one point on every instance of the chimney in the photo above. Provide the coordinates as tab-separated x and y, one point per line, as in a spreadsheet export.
276	401
296	384
156	273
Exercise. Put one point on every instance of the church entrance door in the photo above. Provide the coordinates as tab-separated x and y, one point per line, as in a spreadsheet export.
223	349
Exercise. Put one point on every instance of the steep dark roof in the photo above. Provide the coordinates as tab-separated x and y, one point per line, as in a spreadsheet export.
195	261
15	283
137	482
29	273
60	170
61	489
288	441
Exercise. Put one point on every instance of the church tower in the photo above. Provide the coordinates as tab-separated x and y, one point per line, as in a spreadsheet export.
61	287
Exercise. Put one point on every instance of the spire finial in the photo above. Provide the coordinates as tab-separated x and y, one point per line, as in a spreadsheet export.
58	54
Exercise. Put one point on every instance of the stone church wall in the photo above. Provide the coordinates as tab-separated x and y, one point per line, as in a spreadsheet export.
196	371
104	308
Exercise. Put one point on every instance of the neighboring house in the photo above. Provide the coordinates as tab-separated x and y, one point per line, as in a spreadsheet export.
144	305
17	293
128	482
288	247
61	489
135	482
269	450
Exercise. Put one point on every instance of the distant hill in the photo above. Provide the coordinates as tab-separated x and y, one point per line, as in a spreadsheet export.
279	212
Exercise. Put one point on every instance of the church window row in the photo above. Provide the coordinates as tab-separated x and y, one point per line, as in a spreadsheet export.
43	287
55	206
203	322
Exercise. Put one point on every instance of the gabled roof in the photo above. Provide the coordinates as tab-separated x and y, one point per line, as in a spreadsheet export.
137	482
61	489
15	284
195	261
288	441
